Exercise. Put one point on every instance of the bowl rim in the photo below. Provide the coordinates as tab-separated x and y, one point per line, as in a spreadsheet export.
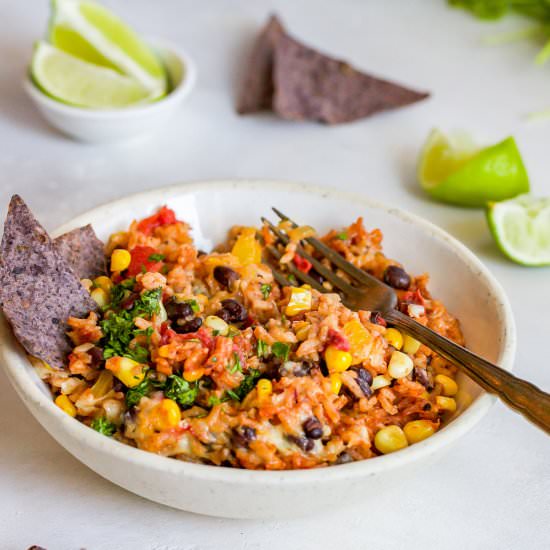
179	92
13	357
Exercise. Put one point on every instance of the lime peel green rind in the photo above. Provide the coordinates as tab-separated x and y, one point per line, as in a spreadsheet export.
469	179
521	229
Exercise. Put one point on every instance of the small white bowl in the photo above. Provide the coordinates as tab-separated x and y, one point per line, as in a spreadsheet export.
102	125
459	279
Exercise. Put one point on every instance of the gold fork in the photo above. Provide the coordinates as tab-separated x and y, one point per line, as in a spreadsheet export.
370	294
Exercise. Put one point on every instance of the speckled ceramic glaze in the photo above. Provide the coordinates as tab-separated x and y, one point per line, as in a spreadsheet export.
101	125
457	277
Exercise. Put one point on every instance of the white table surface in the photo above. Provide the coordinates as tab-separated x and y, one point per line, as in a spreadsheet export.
493	490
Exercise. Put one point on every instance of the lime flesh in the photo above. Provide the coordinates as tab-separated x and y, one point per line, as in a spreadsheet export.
521	229
453	170
76	82
92	33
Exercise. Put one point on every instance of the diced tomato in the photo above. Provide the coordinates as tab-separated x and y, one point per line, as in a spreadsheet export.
164	216
411	297
338	340
140	261
301	263
166	333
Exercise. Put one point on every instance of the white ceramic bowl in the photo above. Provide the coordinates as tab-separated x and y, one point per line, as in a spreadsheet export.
102	125
458	278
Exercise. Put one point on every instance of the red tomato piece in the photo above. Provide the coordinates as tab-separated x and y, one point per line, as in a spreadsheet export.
140	261
164	216
338	340
301	263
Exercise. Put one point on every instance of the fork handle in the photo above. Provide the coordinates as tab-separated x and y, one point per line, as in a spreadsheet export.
520	395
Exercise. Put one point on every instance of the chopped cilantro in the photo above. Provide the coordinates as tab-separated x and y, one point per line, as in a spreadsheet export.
280	350
156	258
134	395
180	390
245	386
262	349
148	303
121	291
214	400
292	278
342	236
265	290
103	426
194	305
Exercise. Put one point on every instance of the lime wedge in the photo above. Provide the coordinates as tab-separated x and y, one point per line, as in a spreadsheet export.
452	169
92	33
77	82
521	228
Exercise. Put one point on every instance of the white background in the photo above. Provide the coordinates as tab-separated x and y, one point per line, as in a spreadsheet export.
493	489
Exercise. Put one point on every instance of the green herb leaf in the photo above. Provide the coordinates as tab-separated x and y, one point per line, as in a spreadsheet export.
246	386
236	364
265	289
134	395
214	400
342	236
280	350
180	390
156	258
194	305
292	278
121	291
103	426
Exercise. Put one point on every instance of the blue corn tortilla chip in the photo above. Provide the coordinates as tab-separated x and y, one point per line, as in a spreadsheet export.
312	86
39	290
83	251
300	83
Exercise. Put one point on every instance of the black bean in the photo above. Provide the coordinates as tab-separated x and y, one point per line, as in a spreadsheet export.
344	458
178	310
184	327
364	380
313	428
225	275
97	356
397	277
304	443
232	311
244	435
421	376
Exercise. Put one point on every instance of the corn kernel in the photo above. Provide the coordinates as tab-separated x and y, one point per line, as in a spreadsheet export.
264	388
103	282
120	259
390	439
246	248
100	297
359	339
410	345
337	360
218	324
418	430
129	372
380	381
300	301
448	385
445	403
394	338
164	351
302	330
335	382
400	365
166	415
66	405
193	375
103	385
302	232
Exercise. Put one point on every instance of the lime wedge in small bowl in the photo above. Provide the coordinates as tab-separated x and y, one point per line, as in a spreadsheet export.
453	170
92	33
75	82
521	229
